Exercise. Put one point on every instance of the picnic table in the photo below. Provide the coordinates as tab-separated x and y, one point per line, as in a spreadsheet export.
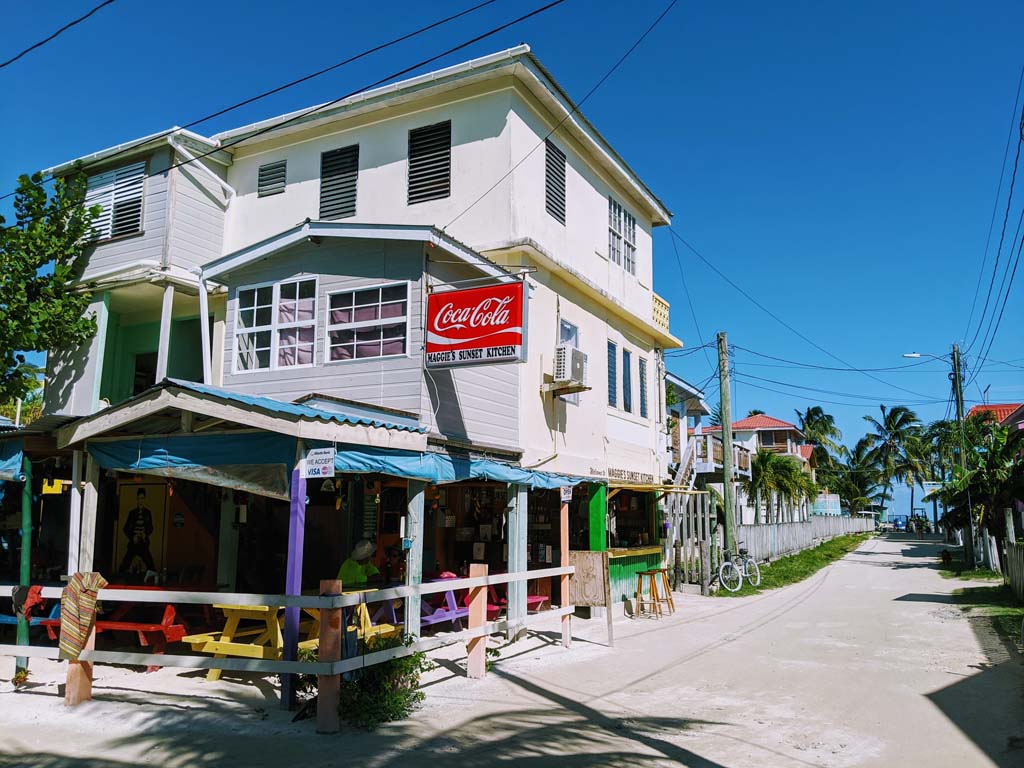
151	634
262	641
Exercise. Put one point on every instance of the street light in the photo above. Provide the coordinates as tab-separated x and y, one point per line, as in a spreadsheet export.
958	394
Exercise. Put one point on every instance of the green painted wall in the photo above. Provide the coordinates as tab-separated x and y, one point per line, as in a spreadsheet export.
623	571
598	517
124	342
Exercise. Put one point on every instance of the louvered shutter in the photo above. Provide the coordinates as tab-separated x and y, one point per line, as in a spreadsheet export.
339	175
554	181
272	178
119	192
430	162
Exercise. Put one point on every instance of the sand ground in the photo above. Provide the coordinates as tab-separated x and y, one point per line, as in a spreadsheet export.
868	663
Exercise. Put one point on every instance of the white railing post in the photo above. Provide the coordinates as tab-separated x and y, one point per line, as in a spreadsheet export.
517	557
414	557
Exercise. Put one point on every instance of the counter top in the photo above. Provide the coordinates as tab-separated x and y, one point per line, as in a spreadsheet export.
633	551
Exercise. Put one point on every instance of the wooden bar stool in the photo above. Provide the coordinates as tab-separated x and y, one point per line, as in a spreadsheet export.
654	600
667	599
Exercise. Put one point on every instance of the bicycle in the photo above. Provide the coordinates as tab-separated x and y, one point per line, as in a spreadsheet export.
735	568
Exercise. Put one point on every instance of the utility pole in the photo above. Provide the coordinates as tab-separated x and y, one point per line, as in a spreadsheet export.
727	487
958	395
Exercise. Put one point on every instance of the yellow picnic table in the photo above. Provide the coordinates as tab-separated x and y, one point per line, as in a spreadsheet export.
264	641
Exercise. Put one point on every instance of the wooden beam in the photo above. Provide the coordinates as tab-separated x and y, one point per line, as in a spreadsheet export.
476	648
75	513
90	501
293	582
414	556
329	686
163	349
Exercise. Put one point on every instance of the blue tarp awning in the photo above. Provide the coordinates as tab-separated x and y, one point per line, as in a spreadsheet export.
439	468
11	456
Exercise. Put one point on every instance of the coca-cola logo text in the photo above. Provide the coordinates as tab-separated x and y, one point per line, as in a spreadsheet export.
491	312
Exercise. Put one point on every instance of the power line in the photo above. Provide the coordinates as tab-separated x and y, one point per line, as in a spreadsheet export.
1006	299
56	34
822	400
995	203
689	301
852	395
576	108
815	366
1002	236
783	323
290	84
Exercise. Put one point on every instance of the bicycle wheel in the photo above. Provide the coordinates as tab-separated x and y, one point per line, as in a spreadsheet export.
753	572
729	576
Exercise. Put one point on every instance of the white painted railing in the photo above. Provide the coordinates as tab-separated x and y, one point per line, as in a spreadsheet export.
773	540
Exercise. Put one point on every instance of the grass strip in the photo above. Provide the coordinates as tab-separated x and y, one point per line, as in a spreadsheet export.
957	570
794	568
997	603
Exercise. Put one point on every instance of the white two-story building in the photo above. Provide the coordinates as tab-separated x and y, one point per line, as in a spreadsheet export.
291	260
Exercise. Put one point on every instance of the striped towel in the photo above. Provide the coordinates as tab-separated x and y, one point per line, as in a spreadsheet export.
78	612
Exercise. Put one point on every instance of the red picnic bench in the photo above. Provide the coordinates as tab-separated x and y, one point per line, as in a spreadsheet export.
155	636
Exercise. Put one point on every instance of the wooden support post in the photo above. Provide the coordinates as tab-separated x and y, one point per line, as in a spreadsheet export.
293	582
25	571
517	557
563	518
204	331
75	514
163	350
414	557
476	666
90	501
78	687
705	566
329	686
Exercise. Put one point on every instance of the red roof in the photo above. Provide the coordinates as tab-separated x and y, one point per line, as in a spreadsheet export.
806	451
762	421
1000	410
751	423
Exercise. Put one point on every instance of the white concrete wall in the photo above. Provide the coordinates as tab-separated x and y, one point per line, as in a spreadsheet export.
480	155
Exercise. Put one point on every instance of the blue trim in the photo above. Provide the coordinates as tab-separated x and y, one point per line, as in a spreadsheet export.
11	452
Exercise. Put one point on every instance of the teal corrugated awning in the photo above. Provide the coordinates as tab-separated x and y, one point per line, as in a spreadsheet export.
12	453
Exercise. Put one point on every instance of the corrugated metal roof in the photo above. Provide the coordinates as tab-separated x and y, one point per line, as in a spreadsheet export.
299	410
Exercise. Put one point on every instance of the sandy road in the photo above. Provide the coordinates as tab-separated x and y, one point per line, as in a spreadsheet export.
868	663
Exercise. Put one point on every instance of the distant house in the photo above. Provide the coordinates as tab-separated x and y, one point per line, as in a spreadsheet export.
1001	412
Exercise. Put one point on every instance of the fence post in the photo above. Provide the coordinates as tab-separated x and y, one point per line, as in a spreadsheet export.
78	687
328	693
563	515
476	665
705	566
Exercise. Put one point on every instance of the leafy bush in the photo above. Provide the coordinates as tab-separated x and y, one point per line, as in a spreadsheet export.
378	694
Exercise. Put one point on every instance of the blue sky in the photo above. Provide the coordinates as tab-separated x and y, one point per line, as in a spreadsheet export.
838	162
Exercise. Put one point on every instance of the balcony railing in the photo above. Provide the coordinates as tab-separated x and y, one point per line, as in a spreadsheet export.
659	311
709	454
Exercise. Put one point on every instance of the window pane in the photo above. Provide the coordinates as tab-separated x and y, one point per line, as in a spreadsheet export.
306	309
341	352
288	290
265	295
368	297
368	334
368	350
246	317
366	313
341	300
247	297
263	358
393	293
394	331
286	312
341	316
393	347
342	337
263	316
393	310
307	289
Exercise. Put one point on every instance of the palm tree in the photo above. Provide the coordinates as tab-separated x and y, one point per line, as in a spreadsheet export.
794	485
755	412
819	428
762	484
777	481
715	418
858	477
889	444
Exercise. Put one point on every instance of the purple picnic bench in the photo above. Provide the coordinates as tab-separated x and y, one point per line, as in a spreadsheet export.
449	611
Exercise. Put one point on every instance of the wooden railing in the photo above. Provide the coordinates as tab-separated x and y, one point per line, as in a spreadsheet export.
711	446
516	620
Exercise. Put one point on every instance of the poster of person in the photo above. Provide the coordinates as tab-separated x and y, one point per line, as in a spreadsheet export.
139	534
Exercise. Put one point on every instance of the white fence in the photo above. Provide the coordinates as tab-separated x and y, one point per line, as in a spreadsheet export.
1015	569
773	540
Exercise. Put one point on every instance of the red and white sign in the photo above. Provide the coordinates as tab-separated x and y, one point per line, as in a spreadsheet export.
476	325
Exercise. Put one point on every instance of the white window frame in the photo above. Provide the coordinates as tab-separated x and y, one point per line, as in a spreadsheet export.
621	236
275	325
105	193
329	326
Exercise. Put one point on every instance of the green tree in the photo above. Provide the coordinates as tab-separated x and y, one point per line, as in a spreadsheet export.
898	427
715	418
41	255
755	412
776	481
858	477
819	428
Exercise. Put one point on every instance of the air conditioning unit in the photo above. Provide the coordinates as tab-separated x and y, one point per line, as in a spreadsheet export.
570	368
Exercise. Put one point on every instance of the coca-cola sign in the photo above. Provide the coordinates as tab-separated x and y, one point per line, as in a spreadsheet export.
476	325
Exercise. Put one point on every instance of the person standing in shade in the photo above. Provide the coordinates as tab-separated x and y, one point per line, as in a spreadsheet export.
358	569
138	528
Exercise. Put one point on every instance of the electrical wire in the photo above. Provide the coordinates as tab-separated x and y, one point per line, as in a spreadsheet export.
783	323
852	395
55	35
1002	236
689	301
1006	298
799	364
575	108
828	402
290	84
995	203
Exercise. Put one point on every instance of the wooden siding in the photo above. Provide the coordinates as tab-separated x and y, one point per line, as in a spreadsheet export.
477	404
149	244
197	225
